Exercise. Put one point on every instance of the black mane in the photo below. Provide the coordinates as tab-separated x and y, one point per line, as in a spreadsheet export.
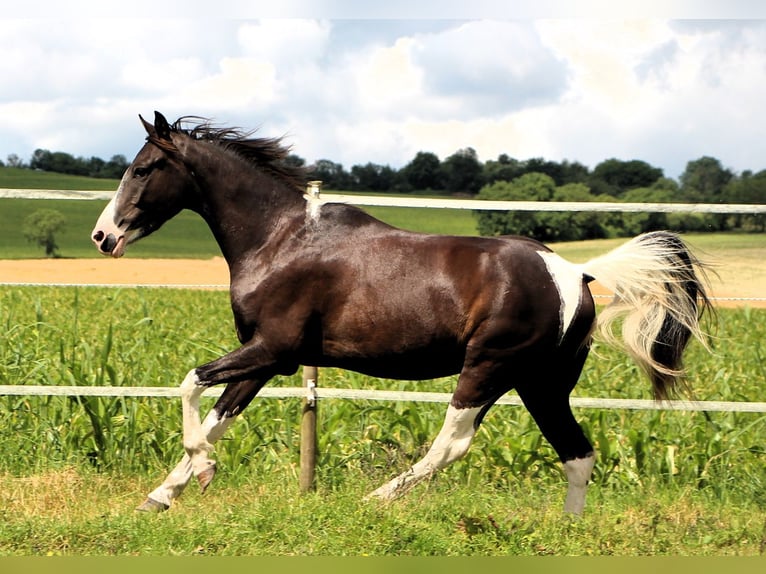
265	153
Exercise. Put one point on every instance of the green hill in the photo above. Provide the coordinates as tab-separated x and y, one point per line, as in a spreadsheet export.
18	178
184	236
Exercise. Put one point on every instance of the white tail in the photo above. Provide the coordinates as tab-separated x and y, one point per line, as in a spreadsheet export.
660	295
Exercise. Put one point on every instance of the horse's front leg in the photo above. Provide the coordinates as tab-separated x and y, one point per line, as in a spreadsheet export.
199	437
213	428
195	441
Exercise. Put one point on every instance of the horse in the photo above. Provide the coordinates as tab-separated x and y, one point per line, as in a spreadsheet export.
326	284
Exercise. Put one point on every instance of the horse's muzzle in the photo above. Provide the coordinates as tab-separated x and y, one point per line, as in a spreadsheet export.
109	244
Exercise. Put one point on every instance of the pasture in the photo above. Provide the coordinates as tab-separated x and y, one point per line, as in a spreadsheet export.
184	236
73	469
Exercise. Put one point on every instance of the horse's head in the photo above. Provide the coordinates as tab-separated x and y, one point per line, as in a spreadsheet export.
154	188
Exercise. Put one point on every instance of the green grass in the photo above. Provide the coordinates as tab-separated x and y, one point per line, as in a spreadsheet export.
73	469
17	178
185	236
48	516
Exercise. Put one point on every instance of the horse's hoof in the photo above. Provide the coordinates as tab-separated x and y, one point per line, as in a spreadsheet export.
205	477
151	505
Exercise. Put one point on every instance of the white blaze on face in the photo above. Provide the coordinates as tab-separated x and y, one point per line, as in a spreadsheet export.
107	235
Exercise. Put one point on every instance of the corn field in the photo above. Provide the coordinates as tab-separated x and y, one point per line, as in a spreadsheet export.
152	337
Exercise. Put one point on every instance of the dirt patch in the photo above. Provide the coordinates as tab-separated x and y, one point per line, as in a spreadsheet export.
738	285
126	271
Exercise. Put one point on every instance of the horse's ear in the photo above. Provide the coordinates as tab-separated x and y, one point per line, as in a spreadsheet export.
148	127
161	126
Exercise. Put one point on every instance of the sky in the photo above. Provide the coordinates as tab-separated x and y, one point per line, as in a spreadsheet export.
356	83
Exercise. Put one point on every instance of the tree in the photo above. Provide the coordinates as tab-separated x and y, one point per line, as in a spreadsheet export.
115	167
640	222
528	187
615	177
332	174
41	226
462	172
423	172
543	225
749	188
14	161
373	177
575	225
704	180
505	168
293	160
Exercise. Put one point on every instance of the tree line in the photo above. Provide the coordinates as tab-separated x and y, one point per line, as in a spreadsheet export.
705	180
62	162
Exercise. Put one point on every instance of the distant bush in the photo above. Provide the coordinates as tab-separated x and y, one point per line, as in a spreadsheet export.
543	225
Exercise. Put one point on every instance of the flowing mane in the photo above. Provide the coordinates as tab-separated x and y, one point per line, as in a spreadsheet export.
265	153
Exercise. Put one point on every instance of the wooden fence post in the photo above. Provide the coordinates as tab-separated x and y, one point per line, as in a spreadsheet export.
309	430
309	410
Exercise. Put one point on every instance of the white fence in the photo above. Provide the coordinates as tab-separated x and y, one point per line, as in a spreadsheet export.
436	203
319	393
352	394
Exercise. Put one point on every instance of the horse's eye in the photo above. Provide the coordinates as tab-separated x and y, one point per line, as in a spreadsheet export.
141	171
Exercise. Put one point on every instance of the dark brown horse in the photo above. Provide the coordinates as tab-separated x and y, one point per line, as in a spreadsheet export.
328	285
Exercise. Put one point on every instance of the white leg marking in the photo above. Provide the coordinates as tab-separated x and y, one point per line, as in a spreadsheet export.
195	439
451	444
568	280
578	473
214	428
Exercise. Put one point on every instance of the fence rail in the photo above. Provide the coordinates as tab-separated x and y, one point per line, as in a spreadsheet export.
437	203
492	205
321	393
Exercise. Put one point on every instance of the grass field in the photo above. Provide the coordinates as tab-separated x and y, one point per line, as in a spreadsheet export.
18	178
73	469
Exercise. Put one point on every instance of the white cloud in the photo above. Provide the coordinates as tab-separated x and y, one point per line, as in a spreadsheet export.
380	91
499	66
240	83
284	42
386	80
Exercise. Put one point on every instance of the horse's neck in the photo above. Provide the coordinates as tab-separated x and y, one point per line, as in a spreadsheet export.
243	208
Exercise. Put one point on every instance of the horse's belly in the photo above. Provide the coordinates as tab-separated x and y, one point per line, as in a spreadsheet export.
411	364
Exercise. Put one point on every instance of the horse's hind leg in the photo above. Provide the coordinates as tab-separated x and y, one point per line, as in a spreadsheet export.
451	443
547	400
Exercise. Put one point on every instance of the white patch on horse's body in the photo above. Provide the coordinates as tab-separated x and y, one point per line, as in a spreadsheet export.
568	279
451	444
313	207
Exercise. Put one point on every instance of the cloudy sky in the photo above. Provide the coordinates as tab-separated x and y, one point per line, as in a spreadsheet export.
360	85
